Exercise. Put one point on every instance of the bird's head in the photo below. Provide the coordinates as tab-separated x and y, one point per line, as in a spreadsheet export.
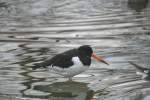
86	50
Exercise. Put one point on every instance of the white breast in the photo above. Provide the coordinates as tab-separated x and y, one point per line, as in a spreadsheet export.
71	71
76	60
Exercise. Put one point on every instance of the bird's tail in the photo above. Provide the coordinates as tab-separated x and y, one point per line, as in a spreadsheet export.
43	64
37	65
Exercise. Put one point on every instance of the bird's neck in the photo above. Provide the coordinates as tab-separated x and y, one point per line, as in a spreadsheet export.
85	60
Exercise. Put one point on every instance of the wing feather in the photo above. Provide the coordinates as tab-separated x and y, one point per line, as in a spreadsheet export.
63	60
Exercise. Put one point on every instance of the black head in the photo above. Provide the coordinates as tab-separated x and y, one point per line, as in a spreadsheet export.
85	54
85	50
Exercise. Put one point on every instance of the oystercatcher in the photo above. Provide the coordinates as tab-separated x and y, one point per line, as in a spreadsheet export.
71	62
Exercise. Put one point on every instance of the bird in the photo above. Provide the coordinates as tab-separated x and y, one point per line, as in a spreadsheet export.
71	62
143	71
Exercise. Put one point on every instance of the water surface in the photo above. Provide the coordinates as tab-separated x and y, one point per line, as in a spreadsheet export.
33	31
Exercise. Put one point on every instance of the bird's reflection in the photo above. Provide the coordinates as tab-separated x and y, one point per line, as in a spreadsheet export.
61	90
68	89
137	5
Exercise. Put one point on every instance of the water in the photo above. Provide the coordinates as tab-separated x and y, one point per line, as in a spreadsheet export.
35	30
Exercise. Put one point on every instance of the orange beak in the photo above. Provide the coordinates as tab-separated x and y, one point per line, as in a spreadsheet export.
99	58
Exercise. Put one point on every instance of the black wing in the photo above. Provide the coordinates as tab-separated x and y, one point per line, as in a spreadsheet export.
63	60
